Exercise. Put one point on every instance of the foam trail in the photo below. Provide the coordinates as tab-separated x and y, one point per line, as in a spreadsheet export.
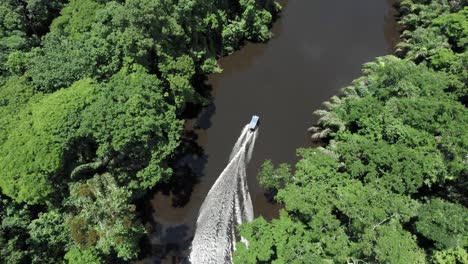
239	142
226	205
252	144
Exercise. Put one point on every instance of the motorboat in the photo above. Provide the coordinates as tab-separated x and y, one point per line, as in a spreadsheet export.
254	122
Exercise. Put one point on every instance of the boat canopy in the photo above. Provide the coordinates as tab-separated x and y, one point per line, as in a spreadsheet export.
254	122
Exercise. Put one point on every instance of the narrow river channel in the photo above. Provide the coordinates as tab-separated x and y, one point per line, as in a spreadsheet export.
318	47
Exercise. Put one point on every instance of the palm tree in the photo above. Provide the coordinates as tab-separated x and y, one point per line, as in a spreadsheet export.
422	43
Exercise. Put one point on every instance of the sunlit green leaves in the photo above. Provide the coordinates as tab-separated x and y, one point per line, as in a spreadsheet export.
34	150
271	178
134	127
455	27
443	222
395	245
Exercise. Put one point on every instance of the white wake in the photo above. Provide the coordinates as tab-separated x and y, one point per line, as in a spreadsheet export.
227	205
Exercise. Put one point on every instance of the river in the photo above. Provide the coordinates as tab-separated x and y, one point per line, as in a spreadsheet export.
318	47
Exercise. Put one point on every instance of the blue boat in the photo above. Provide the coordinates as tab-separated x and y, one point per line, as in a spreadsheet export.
254	123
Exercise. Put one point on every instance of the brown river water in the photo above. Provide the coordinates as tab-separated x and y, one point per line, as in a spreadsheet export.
318	47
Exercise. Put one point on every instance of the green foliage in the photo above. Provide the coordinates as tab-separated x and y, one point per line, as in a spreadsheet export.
232	35
252	24
387	165
14	96
62	62
13	232
78	256
48	237
341	218
424	42
395	245
271	178
431	30
443	58
13	34
443	222
51	126
390	77
289	241
317	165
178	73
92	39
394	108
421	13
255	22
24	239
151	131
450	256
455	27
103	218
17	62
22	22
76	18
34	151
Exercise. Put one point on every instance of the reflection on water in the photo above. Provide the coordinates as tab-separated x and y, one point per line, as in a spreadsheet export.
318	47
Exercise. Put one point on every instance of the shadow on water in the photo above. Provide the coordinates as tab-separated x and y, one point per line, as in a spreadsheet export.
168	240
165	242
187	167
